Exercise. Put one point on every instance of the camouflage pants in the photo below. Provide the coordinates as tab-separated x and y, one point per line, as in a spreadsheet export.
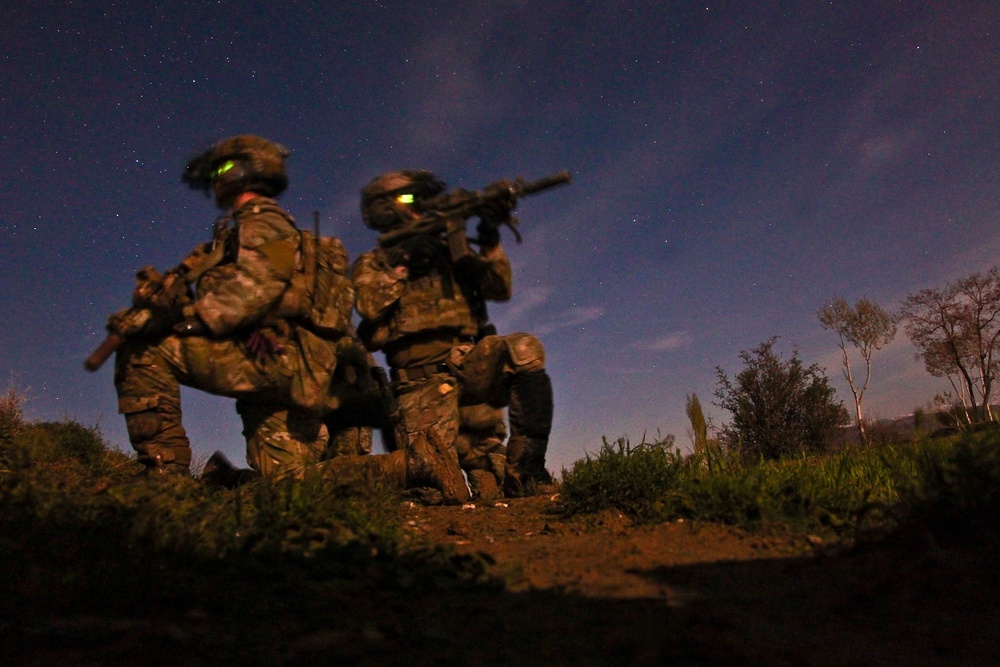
281	435
465	407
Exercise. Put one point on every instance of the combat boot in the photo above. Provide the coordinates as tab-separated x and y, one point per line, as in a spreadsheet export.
484	485
220	473
525	466
430	466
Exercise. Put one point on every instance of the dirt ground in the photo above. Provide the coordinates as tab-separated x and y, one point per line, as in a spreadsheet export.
608	592
583	591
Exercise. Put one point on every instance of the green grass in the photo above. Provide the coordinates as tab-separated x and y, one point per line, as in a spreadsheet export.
941	486
83	534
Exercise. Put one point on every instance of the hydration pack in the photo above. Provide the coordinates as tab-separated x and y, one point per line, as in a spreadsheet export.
321	293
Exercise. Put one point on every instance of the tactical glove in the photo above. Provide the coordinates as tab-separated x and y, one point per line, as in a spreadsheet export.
492	215
489	235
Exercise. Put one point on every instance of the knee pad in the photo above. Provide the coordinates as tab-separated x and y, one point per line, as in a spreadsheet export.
526	352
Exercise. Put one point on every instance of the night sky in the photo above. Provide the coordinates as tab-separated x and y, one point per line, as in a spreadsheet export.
735	165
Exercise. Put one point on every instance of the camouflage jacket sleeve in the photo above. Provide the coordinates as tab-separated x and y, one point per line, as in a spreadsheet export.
255	272
376	285
495	282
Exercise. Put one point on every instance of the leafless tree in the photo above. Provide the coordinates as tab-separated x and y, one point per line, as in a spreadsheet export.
867	327
956	330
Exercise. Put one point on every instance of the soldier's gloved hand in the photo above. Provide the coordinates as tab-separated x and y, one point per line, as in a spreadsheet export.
191	326
492	215
262	345
489	235
497	209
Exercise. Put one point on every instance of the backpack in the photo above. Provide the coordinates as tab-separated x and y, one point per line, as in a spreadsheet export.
321	293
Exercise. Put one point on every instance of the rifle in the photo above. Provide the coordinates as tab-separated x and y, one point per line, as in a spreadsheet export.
363	397
156	297
391	419
446	213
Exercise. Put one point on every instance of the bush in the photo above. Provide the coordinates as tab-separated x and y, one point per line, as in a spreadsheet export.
633	479
649	483
779	408
53	441
954	493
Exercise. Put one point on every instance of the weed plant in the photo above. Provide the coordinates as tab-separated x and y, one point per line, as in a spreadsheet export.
635	479
11	420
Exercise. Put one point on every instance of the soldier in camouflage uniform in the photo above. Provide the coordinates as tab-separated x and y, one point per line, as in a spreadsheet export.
266	322
428	315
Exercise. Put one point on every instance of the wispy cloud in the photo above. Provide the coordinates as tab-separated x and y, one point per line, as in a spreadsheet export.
448	104
673	340
571	317
525	300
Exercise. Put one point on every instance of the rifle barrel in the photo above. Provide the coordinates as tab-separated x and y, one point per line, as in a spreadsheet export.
547	182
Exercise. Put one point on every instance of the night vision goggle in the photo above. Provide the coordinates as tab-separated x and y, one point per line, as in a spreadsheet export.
221	169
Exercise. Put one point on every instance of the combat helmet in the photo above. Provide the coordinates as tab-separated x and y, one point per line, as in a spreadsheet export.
416	182
239	164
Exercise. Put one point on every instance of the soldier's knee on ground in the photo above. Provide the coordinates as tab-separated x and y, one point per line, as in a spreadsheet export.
481	431
283	443
483	460
484	485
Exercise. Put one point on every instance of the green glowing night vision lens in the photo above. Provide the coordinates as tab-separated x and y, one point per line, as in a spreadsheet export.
405	199
223	168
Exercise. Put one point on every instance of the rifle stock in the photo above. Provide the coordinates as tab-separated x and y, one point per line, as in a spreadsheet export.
103	351
120	326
